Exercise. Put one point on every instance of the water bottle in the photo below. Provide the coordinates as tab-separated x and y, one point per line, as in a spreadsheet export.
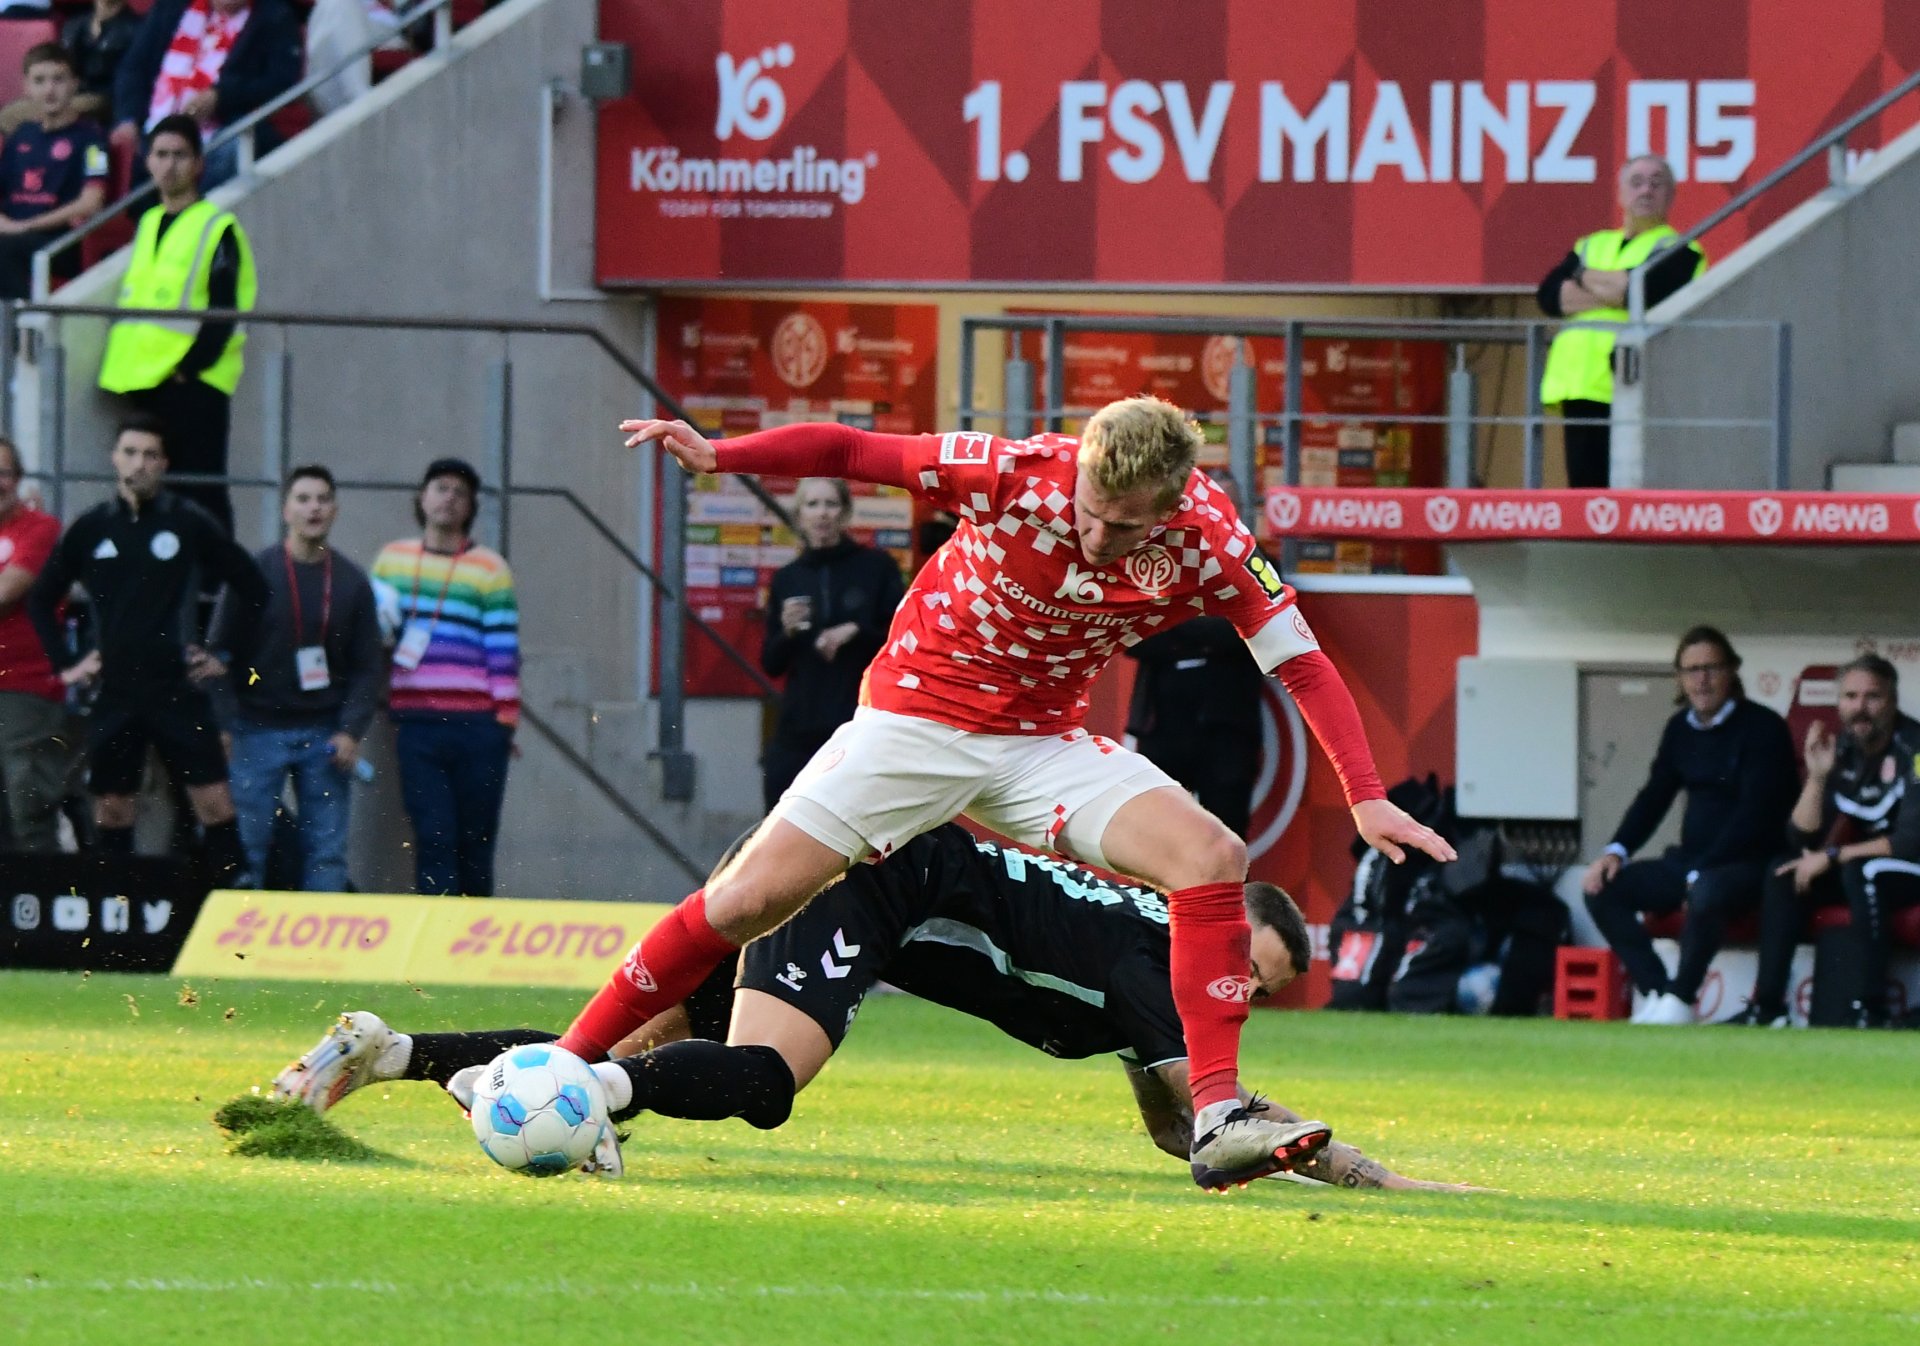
363	770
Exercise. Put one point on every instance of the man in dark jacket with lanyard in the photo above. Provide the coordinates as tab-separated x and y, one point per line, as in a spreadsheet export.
1857	824
304	707
143	557
827	615
188	254
1734	759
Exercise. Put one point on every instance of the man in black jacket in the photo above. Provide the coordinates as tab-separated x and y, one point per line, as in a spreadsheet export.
262	62
1734	759
1857	826
827	616
143	557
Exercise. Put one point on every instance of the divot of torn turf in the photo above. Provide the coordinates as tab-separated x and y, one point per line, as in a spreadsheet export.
271	1128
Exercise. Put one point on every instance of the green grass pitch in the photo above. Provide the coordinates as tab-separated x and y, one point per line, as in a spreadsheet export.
940	1184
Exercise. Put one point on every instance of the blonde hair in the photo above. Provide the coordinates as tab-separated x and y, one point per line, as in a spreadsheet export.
1140	443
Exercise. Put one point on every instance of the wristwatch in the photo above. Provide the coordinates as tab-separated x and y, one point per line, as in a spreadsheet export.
1833	854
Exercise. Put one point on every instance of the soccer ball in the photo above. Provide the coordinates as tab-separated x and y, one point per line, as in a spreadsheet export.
538	1110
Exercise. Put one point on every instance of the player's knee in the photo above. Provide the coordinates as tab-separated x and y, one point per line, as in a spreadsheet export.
1217	857
742	907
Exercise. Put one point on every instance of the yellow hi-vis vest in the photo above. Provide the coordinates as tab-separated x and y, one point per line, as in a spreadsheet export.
1580	362
173	272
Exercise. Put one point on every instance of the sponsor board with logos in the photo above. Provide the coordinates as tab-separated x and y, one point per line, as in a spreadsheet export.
127	914
423	940
1776	517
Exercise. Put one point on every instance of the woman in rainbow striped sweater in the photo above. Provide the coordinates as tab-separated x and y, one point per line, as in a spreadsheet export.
455	691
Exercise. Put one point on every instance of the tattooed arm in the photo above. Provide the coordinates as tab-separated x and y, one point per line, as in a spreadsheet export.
1167	1110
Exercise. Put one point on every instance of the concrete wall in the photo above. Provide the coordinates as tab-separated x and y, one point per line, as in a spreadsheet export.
452	229
1840	269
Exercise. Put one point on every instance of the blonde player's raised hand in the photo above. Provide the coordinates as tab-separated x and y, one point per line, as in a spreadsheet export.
688	446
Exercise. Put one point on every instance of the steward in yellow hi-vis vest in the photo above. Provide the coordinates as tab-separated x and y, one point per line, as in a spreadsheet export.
188	256
1590	284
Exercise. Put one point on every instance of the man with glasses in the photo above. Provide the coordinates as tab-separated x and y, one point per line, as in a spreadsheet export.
1734	759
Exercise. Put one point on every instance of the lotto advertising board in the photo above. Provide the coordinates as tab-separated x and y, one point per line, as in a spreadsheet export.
378	937
1370	378
741	365
1396	144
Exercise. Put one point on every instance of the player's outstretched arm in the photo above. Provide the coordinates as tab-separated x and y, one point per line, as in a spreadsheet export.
818	449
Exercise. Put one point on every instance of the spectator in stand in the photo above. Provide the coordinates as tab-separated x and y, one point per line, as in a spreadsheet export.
1196	708
53	170
827	616
142	557
313	687
455	692
191	255
99	40
213	62
96	41
33	746
1590	284
1734	759
1857	827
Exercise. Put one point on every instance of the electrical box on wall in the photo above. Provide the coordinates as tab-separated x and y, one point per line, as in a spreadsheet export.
1518	753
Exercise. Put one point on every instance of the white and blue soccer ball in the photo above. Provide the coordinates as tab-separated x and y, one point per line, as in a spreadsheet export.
539	1110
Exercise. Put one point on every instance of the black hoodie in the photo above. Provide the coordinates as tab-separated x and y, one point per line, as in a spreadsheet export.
847	582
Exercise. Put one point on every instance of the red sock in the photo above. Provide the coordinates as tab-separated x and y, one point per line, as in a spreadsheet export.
663	969
1210	985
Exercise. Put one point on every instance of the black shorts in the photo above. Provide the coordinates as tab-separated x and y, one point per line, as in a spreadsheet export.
179	722
825	960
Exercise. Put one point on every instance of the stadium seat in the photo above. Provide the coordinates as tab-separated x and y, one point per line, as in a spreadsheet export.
1903	925
17	36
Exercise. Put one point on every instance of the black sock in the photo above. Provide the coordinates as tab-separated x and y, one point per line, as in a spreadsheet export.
441	1056
114	840
706	1081
225	858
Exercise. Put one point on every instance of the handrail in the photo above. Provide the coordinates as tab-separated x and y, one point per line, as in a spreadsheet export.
242	130
1637	278
612	795
290	318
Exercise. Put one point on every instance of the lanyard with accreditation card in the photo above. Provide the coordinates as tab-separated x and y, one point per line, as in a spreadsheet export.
415	638
310	661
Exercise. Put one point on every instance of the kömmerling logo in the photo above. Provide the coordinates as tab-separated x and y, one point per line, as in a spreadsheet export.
752	104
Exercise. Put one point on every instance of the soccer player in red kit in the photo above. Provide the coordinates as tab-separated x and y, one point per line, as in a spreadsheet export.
1066	551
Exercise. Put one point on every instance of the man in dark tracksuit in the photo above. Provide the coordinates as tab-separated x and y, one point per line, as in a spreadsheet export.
144	557
827	616
1734	759
1857	829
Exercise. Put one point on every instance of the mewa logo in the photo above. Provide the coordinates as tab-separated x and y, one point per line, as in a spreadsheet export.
751	101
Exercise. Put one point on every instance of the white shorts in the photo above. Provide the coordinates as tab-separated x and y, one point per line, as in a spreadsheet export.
883	779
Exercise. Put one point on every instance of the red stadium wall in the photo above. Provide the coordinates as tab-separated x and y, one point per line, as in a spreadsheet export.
1398	144
1399	653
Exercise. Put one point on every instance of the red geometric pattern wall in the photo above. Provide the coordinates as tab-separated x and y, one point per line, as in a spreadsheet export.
1388	143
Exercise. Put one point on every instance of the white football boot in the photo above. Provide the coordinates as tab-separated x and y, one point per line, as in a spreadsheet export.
1247	1146
1665	1010
356	1051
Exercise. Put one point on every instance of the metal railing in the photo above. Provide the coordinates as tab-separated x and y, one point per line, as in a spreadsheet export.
1020	415
241	134
667	579
1833	144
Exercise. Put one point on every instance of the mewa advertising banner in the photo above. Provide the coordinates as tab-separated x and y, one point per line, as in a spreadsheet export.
1260	143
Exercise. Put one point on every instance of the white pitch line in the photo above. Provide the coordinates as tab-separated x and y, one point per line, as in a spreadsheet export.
698	1290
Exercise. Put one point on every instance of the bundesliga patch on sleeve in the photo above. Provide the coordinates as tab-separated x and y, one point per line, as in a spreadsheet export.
965	447
96	162
1265	574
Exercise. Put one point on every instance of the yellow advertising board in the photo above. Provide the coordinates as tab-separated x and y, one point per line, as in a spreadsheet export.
377	937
